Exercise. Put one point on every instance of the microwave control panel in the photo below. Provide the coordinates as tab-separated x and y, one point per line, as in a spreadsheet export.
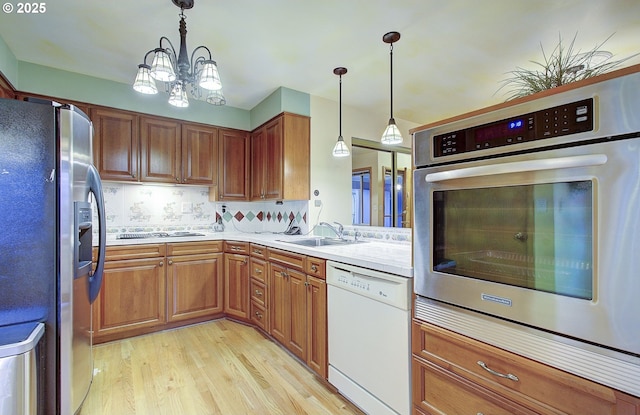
567	119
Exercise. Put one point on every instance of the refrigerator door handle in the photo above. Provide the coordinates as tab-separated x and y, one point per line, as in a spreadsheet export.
94	185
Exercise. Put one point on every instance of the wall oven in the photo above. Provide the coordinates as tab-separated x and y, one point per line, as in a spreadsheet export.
531	213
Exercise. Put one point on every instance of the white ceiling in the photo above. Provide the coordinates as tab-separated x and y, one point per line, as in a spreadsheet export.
450	59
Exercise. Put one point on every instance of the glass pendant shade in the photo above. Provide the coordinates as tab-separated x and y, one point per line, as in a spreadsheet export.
340	149
178	96
161	67
178	73
391	134
216	97
144	83
209	76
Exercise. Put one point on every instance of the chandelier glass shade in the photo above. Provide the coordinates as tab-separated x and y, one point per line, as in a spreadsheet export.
197	77
391	135
340	149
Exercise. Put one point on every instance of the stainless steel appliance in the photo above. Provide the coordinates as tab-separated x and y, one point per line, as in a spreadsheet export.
531	213
46	184
368	321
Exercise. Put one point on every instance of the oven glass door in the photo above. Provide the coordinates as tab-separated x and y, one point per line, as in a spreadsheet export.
535	236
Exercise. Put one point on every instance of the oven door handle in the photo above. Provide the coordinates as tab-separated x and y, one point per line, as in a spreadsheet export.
518	166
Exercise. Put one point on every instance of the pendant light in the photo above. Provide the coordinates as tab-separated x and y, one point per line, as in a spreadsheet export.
391	134
340	149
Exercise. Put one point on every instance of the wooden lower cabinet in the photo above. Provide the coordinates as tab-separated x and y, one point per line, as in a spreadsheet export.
317	325
152	287
298	307
236	283
156	286
448	380
288	310
195	286
132	297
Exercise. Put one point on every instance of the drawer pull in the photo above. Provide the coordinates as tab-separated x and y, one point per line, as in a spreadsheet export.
493	372
257	251
258	293
258	315
257	271
314	268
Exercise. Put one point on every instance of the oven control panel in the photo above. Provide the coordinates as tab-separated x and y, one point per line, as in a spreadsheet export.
567	119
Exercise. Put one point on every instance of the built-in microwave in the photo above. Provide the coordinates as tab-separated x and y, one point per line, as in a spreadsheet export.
530	213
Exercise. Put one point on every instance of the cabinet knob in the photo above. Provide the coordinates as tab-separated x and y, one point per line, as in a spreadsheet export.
306	284
161	263
314	268
244	262
170	262
178	179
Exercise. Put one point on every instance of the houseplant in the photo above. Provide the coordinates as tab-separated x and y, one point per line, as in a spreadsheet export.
565	64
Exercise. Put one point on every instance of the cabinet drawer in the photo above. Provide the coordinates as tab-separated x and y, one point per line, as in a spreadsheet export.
117	253
258	292
193	248
536	382
258	251
258	270
236	247
316	267
286	258
437	391
259	315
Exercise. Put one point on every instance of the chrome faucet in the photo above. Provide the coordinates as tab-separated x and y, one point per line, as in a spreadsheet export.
337	230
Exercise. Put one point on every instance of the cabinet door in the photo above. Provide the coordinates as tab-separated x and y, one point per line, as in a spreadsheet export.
273	160
258	166
195	286
317	325
199	155
236	287
132	297
297	313
160	144
279	303
233	181
115	144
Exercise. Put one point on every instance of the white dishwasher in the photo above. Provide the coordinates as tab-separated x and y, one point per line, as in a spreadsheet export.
369	337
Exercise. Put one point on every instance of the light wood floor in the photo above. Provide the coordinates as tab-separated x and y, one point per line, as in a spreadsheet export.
219	367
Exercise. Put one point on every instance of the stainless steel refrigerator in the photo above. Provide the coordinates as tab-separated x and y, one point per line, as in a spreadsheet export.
49	189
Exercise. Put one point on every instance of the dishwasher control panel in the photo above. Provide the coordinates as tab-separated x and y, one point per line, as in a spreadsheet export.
387	288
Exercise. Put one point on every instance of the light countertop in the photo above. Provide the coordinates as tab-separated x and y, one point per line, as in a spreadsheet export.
392	258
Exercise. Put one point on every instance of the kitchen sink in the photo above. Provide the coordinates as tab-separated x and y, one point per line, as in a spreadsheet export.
321	242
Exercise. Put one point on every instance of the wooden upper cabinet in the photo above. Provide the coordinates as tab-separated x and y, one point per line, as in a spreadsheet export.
280	159
115	144
233	181
160	150
258	164
273	185
199	154
174	152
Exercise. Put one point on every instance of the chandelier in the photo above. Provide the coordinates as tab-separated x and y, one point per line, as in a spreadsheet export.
199	75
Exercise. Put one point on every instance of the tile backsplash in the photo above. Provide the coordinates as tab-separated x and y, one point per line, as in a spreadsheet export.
154	208
161	208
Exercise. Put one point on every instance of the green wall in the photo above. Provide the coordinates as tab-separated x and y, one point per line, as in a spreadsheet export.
8	63
43	80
